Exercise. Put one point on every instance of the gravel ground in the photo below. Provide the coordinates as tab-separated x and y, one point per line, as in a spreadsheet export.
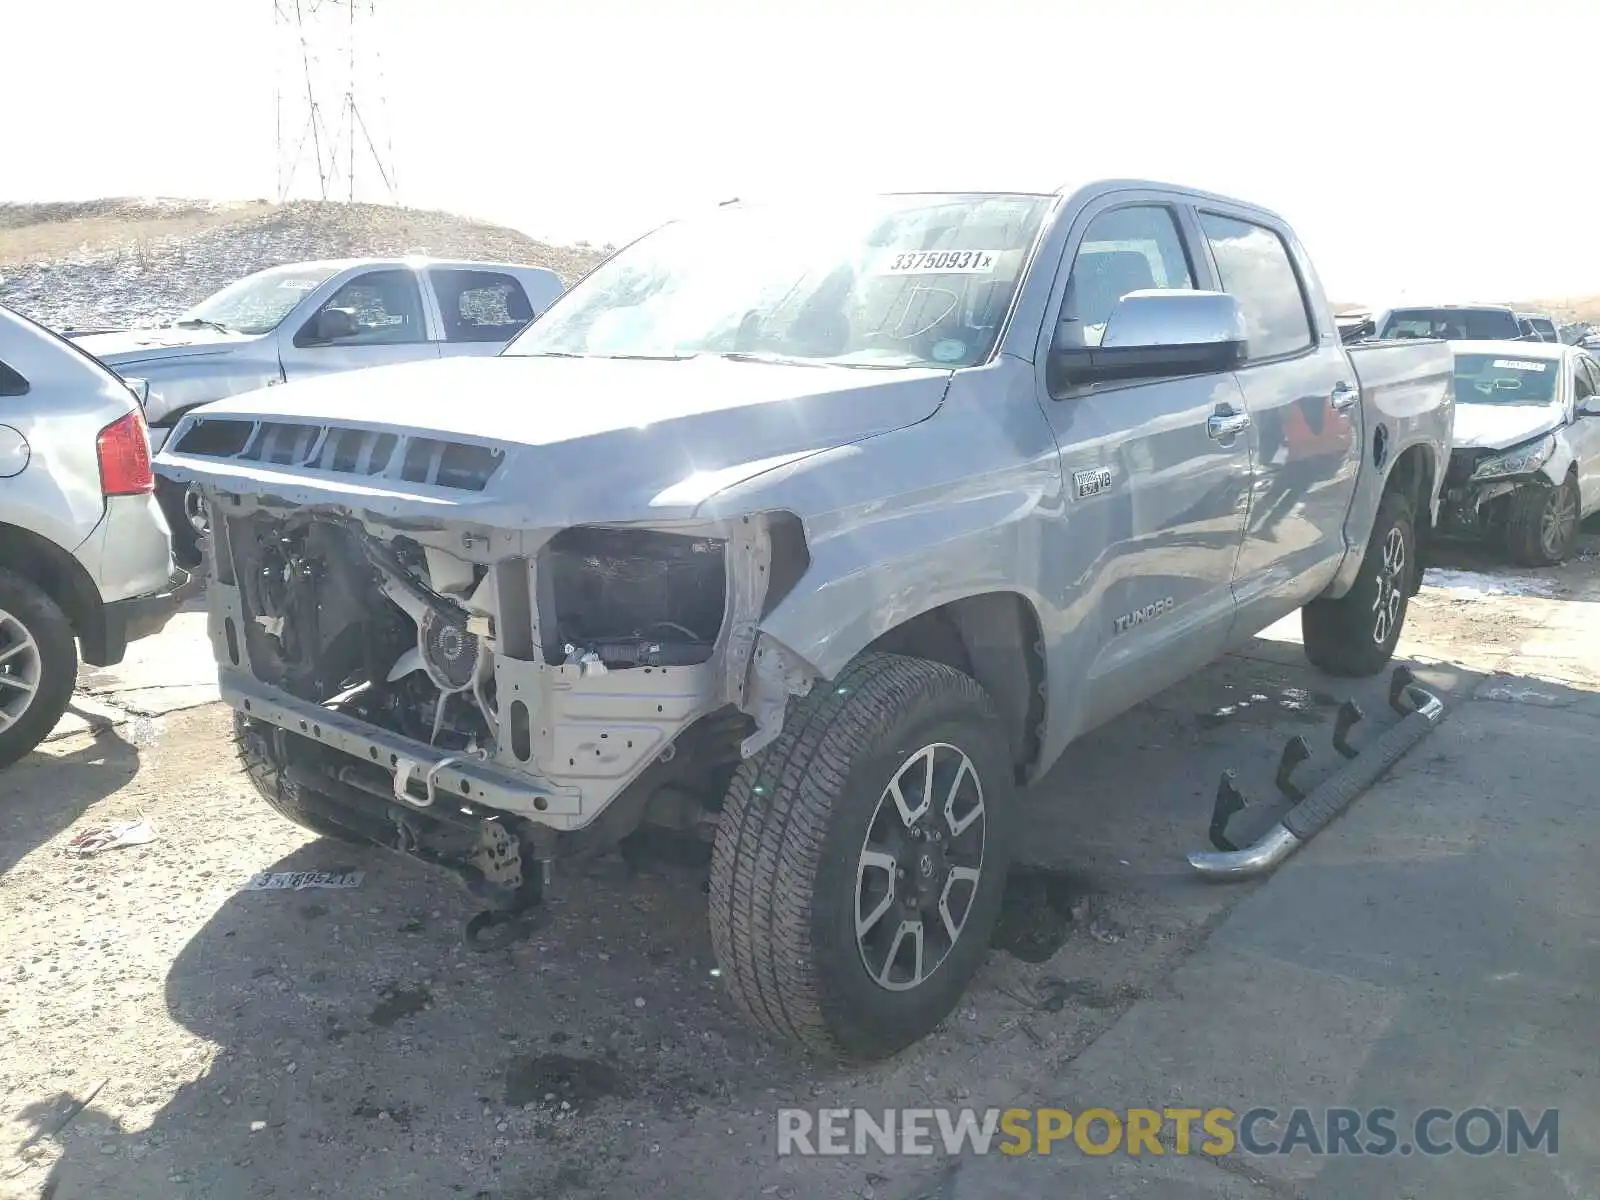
173	1034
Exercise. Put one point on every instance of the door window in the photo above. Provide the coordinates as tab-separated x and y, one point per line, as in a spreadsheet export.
480	306
385	307
1254	266
1587	383
1123	250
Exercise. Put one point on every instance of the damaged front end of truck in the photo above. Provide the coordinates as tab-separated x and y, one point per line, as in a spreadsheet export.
413	665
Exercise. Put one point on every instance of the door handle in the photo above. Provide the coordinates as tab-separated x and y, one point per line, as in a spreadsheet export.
1344	397
1223	425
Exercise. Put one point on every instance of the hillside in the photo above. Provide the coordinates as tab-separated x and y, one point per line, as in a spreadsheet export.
111	263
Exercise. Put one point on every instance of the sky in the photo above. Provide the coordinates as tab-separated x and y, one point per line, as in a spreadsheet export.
1424	151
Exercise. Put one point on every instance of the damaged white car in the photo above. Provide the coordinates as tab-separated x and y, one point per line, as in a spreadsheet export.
1525	468
818	527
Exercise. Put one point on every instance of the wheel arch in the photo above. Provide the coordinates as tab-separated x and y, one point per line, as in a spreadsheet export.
996	638
59	575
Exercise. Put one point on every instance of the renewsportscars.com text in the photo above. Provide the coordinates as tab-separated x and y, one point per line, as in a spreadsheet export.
1212	1131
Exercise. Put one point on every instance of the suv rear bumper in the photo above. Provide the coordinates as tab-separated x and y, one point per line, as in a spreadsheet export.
106	635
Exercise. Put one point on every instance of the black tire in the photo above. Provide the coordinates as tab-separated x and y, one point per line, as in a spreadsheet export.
54	659
1542	523
186	551
792	843
1355	635
255	743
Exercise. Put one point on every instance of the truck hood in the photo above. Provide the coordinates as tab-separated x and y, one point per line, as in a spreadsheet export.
1501	426
127	347
585	440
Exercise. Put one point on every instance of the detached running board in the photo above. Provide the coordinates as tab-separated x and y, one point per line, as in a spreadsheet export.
1420	713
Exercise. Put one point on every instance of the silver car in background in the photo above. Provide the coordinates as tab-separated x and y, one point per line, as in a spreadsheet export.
85	554
300	320
1525	468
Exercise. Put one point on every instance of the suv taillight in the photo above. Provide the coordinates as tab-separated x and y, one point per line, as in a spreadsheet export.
124	449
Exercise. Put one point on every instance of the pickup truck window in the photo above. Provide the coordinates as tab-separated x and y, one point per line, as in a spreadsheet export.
1254	266
1123	250
1503	379
387	306
1453	324
479	306
258	303
892	282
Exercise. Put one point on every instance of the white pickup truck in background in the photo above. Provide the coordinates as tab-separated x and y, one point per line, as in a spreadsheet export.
315	318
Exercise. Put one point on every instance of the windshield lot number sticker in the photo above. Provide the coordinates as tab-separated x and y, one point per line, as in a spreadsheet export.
1517	364
940	262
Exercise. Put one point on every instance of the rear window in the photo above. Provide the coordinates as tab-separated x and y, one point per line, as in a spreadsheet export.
1452	324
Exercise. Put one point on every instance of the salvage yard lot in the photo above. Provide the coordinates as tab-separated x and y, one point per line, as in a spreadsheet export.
171	1034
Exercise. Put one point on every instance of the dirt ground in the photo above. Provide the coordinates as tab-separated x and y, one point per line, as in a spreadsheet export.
171	1033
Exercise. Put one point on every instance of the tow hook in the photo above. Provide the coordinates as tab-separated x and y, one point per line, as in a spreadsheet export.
1420	713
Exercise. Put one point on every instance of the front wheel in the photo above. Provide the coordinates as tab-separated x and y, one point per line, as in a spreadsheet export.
860	858
1355	635
1542	523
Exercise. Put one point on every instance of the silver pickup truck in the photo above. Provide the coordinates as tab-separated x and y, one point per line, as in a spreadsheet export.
313	318
820	528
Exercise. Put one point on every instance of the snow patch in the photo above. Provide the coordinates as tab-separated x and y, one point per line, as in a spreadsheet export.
1475	584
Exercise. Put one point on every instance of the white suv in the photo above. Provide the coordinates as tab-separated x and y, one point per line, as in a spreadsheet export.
85	554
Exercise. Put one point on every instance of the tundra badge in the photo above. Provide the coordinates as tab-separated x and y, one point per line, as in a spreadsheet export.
1091	483
1140	615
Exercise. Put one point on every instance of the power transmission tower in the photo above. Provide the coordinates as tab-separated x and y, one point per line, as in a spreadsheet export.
333	140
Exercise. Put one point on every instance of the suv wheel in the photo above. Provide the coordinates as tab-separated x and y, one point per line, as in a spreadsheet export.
1355	635
861	857
1542	522
38	666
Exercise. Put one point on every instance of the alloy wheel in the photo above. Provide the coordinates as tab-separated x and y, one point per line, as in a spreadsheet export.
1556	523
21	668
1391	587
920	864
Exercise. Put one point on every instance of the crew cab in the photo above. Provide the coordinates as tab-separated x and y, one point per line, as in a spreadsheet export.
313	318
84	553
820	525
1525	467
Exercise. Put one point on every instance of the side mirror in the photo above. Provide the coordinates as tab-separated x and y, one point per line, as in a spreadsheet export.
1590	407
331	324
1157	334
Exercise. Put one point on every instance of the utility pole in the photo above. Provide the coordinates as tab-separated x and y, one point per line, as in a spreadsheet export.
319	157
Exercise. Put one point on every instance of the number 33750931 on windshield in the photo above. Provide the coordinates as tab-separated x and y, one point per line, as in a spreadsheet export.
918	262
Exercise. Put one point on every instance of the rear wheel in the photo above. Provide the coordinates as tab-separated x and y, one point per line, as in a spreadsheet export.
1355	635
1542	523
38	666
860	859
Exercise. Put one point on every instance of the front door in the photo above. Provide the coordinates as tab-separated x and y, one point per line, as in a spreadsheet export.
1157	475
388	325
1585	431
1305	410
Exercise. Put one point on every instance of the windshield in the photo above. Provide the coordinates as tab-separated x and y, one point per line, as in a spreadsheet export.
1496	379
258	303
1453	324
896	281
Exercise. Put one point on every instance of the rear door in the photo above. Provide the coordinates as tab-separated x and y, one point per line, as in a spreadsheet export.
391	325
480	310
1154	483
1305	411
